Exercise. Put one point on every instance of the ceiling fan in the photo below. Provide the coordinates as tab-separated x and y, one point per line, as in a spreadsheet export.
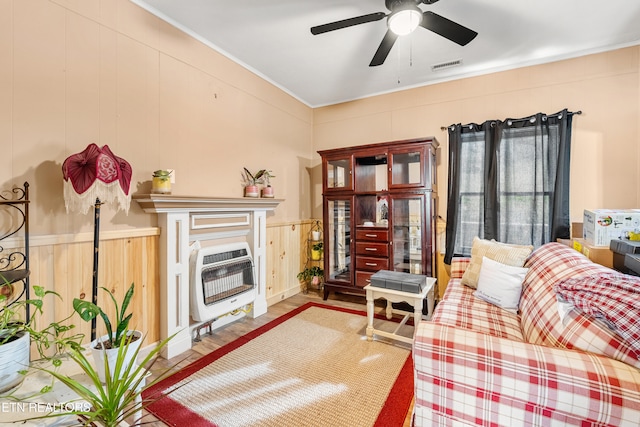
404	17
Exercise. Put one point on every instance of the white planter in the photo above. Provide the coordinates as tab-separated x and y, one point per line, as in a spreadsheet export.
315	235
112	355
14	357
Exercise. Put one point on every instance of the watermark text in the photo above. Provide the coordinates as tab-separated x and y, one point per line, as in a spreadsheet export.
42	407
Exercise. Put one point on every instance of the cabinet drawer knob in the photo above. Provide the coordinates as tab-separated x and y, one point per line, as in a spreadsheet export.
371	264
371	249
371	235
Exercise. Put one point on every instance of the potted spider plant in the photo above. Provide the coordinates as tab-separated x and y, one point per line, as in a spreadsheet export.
107	347
111	401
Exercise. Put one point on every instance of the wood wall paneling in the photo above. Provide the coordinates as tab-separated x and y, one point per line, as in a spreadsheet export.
285	258
66	267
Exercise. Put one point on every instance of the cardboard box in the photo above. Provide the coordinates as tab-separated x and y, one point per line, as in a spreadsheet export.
600	226
598	254
577	230
566	242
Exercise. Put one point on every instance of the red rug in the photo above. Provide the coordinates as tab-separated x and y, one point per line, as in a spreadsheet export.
393	412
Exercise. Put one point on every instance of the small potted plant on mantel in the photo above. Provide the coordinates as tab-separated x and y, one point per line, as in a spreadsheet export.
161	181
251	182
267	190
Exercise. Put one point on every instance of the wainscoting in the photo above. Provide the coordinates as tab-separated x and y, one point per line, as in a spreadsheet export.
64	264
286	244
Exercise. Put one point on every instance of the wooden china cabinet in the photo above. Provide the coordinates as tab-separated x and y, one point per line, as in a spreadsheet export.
379	211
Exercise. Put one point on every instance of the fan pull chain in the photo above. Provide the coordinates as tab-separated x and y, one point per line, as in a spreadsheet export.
398	61
411	52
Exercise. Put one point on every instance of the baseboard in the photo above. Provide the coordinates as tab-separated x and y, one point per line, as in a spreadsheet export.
288	293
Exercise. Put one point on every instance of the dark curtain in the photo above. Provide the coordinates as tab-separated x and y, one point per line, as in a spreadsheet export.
509	181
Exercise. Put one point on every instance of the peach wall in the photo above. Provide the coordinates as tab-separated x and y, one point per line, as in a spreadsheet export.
106	71
606	146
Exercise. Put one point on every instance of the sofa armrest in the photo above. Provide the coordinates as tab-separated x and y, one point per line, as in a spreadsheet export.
476	378
458	267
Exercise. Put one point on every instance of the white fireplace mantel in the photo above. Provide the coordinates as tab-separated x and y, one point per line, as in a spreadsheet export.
178	219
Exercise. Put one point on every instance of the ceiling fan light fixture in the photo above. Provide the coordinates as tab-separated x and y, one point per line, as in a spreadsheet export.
404	21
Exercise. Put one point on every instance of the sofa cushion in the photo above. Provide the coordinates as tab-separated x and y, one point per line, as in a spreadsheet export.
514	255
458	266
541	323
460	308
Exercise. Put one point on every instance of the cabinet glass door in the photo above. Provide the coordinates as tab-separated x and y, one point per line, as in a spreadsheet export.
407	168
407	221
338	253
338	175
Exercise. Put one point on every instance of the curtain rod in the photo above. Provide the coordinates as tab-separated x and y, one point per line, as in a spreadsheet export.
519	120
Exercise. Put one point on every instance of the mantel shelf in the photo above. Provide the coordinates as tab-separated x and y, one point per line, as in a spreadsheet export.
154	203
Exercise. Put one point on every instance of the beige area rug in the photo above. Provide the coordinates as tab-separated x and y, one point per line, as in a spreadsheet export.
310	367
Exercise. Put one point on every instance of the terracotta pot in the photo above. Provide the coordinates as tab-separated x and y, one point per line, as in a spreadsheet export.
251	191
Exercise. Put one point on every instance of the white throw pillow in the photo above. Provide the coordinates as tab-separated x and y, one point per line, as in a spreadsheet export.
500	284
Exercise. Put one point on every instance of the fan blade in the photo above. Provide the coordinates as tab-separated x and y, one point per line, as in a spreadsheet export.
447	29
384	48
347	23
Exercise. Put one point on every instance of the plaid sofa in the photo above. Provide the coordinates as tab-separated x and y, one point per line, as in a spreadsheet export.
476	364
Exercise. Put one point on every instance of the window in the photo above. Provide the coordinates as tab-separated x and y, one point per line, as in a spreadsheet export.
509	181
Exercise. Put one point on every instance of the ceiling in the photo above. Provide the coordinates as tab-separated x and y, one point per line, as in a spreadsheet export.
273	39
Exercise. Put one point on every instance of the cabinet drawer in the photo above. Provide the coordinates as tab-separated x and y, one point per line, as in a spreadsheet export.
372	248
379	235
363	278
372	263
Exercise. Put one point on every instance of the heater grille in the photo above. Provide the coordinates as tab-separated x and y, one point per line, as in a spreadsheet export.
223	281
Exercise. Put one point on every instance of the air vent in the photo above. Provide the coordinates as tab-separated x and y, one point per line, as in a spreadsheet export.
448	64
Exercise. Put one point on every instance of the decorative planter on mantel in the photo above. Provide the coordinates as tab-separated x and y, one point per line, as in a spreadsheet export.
184	219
